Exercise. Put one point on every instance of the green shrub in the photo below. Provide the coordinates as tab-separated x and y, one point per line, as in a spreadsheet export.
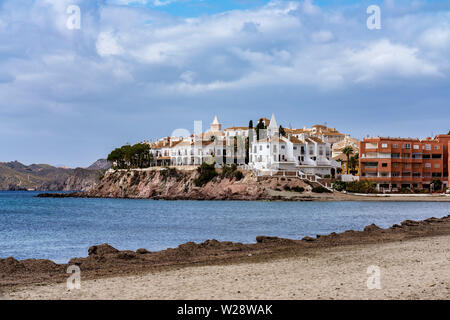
207	173
339	185
287	188
298	189
169	173
364	186
320	189
231	172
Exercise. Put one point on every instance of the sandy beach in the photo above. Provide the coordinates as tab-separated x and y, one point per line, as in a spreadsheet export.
410	269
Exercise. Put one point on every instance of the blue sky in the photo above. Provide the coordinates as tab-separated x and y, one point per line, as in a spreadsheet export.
138	70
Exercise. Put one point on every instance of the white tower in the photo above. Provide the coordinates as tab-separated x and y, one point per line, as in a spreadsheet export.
215	125
272	129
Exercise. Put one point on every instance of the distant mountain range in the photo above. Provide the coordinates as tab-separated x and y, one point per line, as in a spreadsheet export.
17	176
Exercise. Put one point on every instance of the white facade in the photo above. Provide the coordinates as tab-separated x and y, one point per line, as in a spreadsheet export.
304	154
301	153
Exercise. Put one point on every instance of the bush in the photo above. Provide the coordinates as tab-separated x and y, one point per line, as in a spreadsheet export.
169	173
287	188
437	185
320	189
231	172
207	173
298	189
364	186
339	185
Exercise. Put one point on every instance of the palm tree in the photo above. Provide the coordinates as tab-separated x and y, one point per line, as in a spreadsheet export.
347	151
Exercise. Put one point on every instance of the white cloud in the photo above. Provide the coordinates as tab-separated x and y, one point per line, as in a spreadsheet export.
107	45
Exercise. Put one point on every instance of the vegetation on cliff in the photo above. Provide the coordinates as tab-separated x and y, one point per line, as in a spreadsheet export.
131	157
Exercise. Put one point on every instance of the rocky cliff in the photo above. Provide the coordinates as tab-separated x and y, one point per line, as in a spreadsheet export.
180	185
17	176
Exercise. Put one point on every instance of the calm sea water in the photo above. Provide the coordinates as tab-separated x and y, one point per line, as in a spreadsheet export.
60	229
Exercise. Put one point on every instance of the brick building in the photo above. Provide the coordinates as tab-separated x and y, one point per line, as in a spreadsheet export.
394	163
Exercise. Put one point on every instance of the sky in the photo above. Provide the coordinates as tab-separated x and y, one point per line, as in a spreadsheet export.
138	70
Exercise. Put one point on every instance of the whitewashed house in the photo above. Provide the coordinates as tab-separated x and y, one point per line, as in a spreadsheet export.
301	154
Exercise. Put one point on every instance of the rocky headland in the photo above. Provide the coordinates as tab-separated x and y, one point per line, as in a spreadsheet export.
171	184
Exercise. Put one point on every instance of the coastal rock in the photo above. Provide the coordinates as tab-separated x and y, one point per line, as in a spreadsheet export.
172	184
101	249
10	265
410	223
371	228
142	251
264	239
308	239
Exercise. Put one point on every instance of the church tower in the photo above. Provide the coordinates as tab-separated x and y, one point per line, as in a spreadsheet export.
272	129
215	125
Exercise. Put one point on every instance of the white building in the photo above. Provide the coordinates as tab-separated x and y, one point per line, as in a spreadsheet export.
302	153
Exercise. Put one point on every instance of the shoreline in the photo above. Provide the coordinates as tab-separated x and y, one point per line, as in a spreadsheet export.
283	196
105	261
417	268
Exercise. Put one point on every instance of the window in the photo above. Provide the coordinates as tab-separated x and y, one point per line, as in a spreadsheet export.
436	174
407	146
283	147
260	148
384	145
395	146
395	155
416	147
426	156
428	147
295	148
437	147
427	165
384	165
437	165
436	156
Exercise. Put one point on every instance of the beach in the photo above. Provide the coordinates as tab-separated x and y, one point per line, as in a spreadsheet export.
411	269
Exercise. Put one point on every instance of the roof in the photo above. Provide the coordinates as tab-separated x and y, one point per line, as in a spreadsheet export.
340	157
295	140
315	139
236	128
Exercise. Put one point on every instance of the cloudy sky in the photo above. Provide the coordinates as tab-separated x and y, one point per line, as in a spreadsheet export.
139	69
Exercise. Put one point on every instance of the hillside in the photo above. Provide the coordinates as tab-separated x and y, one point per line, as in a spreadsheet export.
17	176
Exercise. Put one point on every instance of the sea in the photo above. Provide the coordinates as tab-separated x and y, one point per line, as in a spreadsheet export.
63	228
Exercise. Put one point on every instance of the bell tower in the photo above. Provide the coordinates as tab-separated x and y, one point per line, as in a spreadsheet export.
215	125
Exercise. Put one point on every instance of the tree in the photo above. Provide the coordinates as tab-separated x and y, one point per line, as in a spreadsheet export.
448	132
126	157
282	131
437	185
260	126
353	163
348	150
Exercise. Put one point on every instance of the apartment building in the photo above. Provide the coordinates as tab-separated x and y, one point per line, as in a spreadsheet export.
394	163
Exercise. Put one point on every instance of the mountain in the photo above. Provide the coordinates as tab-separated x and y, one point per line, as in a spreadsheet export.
17	176
101	164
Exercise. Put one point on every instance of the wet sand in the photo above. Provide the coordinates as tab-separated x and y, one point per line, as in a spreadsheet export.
411	269
414	258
